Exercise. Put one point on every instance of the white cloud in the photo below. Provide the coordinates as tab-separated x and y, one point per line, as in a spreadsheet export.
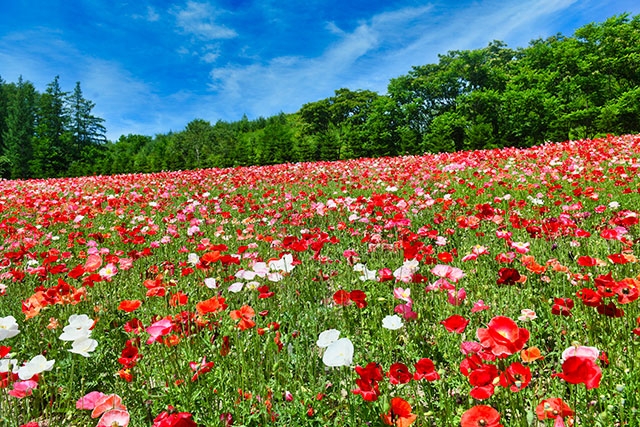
198	19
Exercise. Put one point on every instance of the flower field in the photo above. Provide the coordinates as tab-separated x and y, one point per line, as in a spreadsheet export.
480	288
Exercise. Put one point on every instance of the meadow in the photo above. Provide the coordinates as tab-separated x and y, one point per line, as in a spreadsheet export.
478	288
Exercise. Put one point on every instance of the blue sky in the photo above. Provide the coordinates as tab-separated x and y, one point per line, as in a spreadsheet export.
153	66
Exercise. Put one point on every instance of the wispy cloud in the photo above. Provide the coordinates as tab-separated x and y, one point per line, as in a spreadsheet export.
199	20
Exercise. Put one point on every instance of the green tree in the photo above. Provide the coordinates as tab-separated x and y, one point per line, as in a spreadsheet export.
20	126
85	128
51	135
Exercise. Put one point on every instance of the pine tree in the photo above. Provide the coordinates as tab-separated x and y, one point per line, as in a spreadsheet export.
85	128
20	125
51	136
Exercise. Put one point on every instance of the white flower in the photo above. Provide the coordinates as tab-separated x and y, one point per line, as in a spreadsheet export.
6	363
83	346
392	322
211	283
339	353
193	259
8	327
236	287
35	366
527	315
327	337
283	264
79	326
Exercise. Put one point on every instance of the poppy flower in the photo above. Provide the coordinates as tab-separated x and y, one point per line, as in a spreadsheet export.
502	337
399	414
562	306
245	316
129	305
338	353
399	373
483	381
107	403
553	409
211	305
455	323
580	370
516	377
508	276
425	369
481	416
114	418
530	354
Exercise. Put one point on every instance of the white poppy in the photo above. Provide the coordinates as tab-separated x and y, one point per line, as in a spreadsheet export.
35	366
84	346
327	337
339	353
8	327
392	322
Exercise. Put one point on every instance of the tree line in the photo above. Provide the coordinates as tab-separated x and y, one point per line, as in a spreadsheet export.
48	134
554	89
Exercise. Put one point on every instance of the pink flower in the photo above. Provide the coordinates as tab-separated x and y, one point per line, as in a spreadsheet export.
479	306
114	418
403	294
23	388
447	272
457	298
88	401
158	329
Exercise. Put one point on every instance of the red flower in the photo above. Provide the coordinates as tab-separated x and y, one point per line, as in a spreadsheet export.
482	380
610	310
211	305
502	337
245	315
399	374
455	323
589	297
587	261
481	416
553	408
174	419
580	370
359	298
129	305
341	297
368	381
399	414
508	276
130	355
516	377
425	369
562	306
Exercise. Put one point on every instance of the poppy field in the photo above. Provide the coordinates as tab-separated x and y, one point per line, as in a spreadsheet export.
483	288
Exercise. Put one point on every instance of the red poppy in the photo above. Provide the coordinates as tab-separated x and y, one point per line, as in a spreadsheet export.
130	355
502	337
562	306
341	297
553	408
129	305
627	290
399	373
211	305
399	414
455	323
516	377
359	298
508	276
610	310
587	261
368	381
425	369
483	381
245	315
580	370
481	416
589	297
179	298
